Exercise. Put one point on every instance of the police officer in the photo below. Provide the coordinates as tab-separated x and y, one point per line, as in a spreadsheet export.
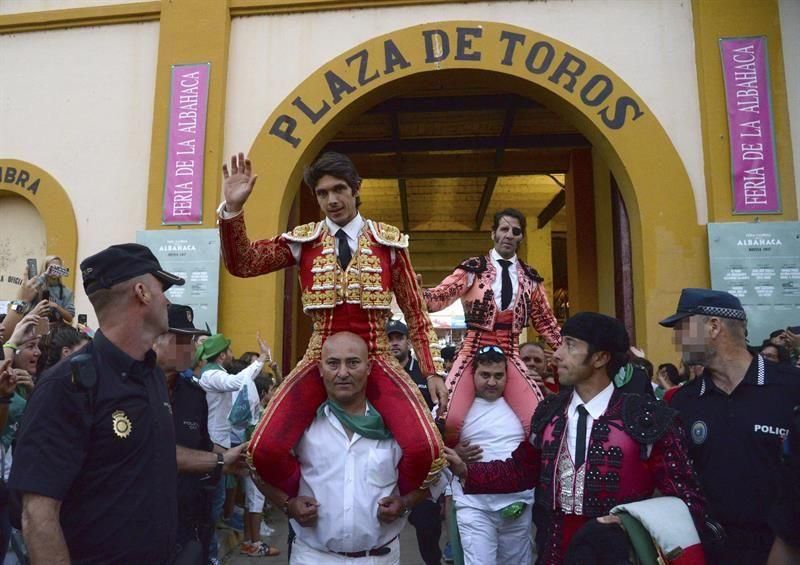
95	460
736	415
174	350
425	516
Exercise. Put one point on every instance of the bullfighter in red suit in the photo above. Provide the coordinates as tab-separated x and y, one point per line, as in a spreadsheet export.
591	448
501	296
349	270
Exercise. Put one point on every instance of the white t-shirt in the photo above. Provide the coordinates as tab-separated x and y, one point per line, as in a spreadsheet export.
496	429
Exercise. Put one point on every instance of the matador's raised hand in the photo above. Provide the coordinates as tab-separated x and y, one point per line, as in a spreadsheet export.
238	183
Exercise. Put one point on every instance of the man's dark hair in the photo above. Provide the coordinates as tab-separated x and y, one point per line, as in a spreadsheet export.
488	354
784	356
51	345
248	356
673	375
236	366
615	363
511	213
335	165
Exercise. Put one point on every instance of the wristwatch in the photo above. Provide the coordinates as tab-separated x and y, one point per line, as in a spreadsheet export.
19	306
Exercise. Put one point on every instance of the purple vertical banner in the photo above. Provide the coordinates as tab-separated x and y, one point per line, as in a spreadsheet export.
186	142
753	165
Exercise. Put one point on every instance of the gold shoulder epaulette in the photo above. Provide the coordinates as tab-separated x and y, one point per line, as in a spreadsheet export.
304	233
388	234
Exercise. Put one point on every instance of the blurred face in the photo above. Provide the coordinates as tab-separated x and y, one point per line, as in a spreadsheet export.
573	362
344	368
692	337
770	353
490	380
27	355
507	236
67	351
337	199
174	352
398	343
534	359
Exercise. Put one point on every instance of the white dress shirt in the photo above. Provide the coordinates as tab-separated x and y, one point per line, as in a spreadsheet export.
347	477
218	386
595	408
497	284
494	427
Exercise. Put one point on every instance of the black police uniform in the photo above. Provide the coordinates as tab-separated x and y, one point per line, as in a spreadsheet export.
413	370
425	516
107	452
735	442
190	417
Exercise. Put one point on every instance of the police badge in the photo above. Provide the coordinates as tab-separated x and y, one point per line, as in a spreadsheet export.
122	424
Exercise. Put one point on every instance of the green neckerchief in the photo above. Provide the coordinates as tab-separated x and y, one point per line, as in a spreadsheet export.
370	425
624	375
210	367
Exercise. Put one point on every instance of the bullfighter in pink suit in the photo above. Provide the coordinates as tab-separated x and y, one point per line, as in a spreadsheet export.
501	296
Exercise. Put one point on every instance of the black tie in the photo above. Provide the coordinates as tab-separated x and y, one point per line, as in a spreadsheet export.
506	291
580	440
344	249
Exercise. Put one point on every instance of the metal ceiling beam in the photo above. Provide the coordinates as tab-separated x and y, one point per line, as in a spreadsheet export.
426	144
460	165
491	181
553	208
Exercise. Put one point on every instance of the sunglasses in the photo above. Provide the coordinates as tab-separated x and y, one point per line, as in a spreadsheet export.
487	348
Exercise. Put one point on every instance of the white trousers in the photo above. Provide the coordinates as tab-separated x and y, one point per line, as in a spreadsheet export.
487	537
305	555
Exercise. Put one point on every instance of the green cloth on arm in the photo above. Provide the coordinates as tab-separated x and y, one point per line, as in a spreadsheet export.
370	425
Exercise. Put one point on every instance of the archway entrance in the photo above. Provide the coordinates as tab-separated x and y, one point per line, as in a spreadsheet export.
598	105
37	220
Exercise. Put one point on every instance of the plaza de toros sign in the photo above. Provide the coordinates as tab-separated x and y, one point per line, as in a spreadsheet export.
436	47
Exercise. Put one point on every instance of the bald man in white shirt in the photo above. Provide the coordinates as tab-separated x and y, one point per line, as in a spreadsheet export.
348	504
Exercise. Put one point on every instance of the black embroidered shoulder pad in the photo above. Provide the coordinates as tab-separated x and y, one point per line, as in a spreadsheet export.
645	419
475	265
531	272
546	410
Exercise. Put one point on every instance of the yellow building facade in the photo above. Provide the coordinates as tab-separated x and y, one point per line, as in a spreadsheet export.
614	110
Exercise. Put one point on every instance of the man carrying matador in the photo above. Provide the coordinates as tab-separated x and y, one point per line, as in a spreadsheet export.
349	270
501	296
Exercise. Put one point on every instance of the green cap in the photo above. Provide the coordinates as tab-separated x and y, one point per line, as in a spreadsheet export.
214	345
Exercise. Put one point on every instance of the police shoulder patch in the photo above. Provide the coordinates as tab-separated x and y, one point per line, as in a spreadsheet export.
698	432
387	234
304	232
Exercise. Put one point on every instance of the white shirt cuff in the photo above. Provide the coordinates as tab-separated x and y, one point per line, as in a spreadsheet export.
223	213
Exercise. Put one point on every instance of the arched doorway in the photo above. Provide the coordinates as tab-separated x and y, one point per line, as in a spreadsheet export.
37	220
619	126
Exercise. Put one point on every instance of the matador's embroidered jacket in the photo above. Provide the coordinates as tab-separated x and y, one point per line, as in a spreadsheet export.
635	447
379	269
472	283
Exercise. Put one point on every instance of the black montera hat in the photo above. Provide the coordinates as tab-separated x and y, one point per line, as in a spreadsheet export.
602	332
120	263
